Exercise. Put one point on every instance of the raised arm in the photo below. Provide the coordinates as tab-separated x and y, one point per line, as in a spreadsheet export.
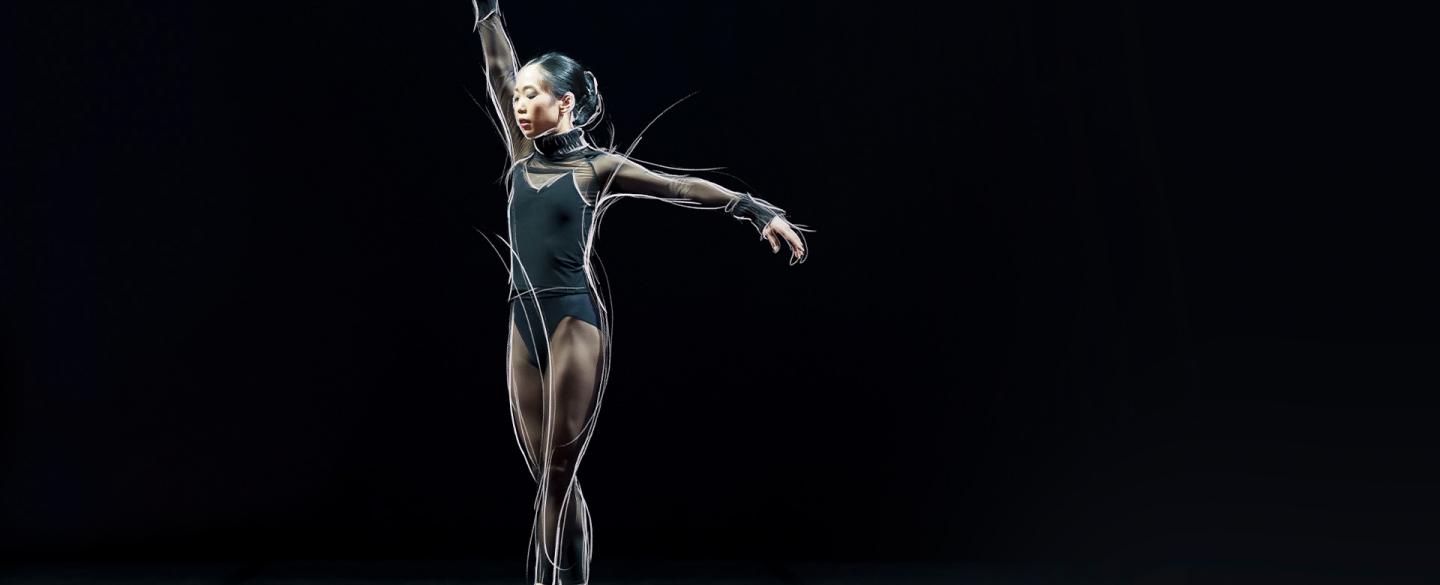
500	69
621	175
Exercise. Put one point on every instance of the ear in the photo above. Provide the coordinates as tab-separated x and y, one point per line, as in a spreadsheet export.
567	103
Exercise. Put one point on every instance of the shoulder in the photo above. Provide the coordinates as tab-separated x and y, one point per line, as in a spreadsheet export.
521	161
521	148
605	156
610	160
606	161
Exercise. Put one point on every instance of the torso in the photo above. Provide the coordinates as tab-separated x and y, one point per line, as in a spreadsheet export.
551	210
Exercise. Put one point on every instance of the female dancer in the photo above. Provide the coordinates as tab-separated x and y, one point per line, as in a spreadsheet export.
558	186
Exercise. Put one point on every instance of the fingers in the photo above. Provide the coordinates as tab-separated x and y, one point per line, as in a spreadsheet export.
797	246
798	253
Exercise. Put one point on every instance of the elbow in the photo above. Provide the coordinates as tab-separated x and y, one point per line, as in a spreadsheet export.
680	189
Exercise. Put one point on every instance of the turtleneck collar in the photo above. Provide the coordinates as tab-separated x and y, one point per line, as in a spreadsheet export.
554	146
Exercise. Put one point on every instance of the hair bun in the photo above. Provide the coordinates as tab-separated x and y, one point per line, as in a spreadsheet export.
594	104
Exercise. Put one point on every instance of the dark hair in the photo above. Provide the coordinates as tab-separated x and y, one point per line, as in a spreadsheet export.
564	74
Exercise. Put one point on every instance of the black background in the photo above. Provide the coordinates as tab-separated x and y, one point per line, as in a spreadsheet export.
1108	284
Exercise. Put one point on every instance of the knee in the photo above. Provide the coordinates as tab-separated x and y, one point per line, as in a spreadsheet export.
572	432
568	433
560	469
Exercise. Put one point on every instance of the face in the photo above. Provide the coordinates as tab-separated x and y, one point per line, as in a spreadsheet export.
536	109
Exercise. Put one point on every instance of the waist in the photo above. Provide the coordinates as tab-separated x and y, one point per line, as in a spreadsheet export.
550	292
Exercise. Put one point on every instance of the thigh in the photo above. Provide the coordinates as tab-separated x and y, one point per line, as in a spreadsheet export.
577	352
531	316
526	395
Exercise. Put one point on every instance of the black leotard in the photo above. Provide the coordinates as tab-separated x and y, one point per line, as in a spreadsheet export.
550	219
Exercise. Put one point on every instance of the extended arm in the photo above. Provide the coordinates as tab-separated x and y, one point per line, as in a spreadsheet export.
500	68
622	175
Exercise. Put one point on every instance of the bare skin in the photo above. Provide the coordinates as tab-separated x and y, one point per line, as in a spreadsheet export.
537	110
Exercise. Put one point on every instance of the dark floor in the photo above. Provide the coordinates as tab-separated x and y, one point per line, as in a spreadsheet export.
689	573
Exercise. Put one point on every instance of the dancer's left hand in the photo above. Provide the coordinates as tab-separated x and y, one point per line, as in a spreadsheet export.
798	253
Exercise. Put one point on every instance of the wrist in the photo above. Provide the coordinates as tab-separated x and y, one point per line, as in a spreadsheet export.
757	211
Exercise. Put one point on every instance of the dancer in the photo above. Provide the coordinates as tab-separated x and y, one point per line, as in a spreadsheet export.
559	185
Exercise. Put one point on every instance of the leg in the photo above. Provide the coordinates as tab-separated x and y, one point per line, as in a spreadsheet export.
526	397
526	313
570	392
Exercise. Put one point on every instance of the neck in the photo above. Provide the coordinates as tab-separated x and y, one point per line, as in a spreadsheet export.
558	144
